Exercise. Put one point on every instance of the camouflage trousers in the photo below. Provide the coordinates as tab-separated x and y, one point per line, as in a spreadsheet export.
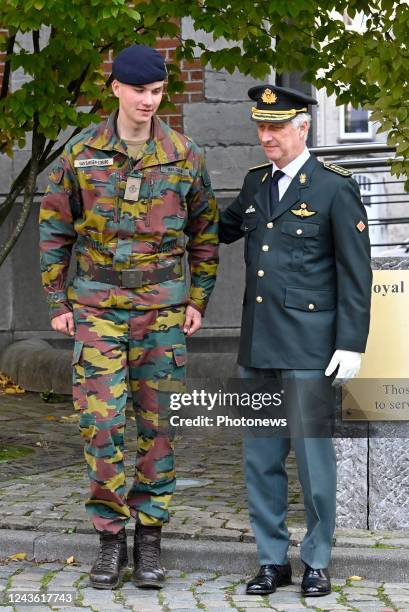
147	348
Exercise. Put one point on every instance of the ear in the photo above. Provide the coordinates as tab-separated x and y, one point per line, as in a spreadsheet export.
116	87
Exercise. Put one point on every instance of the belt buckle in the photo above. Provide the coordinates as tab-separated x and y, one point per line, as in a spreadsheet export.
131	279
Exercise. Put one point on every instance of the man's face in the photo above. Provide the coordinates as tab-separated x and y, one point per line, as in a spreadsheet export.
138	102
282	142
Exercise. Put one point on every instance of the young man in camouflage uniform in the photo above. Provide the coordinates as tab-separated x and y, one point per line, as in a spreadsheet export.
123	194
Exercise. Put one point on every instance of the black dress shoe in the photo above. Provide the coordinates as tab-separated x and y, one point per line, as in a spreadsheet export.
315	582
268	579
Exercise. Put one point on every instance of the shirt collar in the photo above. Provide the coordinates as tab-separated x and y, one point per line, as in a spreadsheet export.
295	165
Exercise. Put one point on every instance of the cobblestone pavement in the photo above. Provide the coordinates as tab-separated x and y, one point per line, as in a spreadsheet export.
209	503
183	591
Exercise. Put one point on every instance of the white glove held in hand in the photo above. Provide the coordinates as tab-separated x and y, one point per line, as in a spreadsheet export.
349	364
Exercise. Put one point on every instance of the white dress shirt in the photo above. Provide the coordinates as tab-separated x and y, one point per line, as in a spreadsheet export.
290	170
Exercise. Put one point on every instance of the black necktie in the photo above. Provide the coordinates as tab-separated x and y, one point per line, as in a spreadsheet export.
274	193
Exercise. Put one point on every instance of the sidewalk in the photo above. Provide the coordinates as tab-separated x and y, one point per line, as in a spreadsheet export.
208	546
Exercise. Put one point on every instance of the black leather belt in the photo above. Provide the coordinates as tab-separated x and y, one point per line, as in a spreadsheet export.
132	278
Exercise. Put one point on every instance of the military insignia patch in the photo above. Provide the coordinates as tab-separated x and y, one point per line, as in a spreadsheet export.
269	97
337	169
303	211
302	178
360	226
250	209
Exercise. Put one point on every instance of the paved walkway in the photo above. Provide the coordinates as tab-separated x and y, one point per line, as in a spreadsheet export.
43	485
183	591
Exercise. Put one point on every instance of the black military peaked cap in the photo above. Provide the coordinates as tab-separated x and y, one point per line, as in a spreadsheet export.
139	65
278	104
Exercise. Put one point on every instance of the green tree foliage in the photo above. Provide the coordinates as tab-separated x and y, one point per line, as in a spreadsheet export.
69	39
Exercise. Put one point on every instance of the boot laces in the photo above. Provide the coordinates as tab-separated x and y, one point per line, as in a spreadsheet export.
108	554
149	556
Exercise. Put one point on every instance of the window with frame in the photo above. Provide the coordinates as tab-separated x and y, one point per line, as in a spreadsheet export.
354	123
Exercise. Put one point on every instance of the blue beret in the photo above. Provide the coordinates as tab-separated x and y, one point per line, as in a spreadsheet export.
138	65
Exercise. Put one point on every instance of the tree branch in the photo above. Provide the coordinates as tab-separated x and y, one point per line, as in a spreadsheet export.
7	68
36	41
30	187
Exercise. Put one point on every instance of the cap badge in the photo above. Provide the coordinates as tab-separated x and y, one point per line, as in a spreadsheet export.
360	226
269	97
302	178
303	211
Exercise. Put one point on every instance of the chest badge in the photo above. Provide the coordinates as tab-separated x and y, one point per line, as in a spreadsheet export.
250	209
302	178
303	211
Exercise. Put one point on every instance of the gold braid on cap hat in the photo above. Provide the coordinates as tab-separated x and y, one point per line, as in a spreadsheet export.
259	113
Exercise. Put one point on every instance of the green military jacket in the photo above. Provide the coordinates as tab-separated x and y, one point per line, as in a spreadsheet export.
308	270
85	208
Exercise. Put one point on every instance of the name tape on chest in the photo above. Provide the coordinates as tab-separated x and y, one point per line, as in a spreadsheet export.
174	170
85	163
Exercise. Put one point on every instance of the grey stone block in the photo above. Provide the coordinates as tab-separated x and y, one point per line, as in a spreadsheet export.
36	366
30	311
220	124
389	483
188	31
6	170
225	87
352	482
6	284
13	542
228	166
225	307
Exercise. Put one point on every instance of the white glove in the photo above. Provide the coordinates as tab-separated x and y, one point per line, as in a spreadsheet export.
349	364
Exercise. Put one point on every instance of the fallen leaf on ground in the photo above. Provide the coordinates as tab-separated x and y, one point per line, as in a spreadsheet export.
70	560
71	418
18	557
8	386
357	578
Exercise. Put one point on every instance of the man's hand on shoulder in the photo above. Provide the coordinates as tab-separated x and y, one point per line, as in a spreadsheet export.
64	324
348	364
193	321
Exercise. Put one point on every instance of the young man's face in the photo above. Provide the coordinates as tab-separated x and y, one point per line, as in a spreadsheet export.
138	103
282	142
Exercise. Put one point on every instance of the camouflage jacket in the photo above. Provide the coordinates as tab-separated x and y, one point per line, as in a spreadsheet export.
84	208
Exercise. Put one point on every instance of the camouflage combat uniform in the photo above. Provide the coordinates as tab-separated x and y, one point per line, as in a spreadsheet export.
127	327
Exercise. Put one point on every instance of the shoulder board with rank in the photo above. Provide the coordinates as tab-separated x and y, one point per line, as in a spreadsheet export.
337	169
261	166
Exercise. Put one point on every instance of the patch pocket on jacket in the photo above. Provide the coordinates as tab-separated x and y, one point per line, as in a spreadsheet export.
300	230
310	300
297	239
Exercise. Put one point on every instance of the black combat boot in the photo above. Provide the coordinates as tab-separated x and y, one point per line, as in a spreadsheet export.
111	561
148	571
